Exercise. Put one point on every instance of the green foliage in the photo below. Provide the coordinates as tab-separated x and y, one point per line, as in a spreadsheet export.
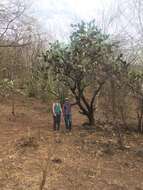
85	62
136	75
136	82
43	85
31	88
87	53
6	87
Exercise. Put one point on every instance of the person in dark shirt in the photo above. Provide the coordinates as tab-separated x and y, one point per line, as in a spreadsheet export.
67	114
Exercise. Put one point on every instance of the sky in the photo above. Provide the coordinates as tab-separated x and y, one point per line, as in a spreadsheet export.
116	17
56	16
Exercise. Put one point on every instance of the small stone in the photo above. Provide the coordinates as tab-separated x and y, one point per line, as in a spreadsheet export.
57	160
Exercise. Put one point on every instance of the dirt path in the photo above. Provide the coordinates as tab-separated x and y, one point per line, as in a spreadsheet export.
80	160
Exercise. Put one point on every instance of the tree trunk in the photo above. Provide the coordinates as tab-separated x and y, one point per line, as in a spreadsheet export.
91	118
123	118
140	117
140	124
13	105
120	137
114	115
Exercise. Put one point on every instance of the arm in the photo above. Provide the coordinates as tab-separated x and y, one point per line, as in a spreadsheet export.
73	104
61	109
53	109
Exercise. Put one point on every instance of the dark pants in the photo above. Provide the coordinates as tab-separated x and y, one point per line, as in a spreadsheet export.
56	121
68	121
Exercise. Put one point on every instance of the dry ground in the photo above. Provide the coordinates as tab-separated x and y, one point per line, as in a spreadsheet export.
80	160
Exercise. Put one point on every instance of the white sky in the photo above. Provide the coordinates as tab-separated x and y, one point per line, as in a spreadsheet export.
82	8
116	17
57	15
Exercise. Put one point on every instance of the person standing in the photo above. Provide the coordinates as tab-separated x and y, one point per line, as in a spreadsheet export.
67	114
57	111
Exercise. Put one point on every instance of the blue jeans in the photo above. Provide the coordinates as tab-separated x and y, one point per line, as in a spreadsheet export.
68	121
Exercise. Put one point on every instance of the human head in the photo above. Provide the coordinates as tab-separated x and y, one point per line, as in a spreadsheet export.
57	99
66	99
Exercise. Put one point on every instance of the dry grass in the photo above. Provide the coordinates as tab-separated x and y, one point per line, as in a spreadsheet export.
80	160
